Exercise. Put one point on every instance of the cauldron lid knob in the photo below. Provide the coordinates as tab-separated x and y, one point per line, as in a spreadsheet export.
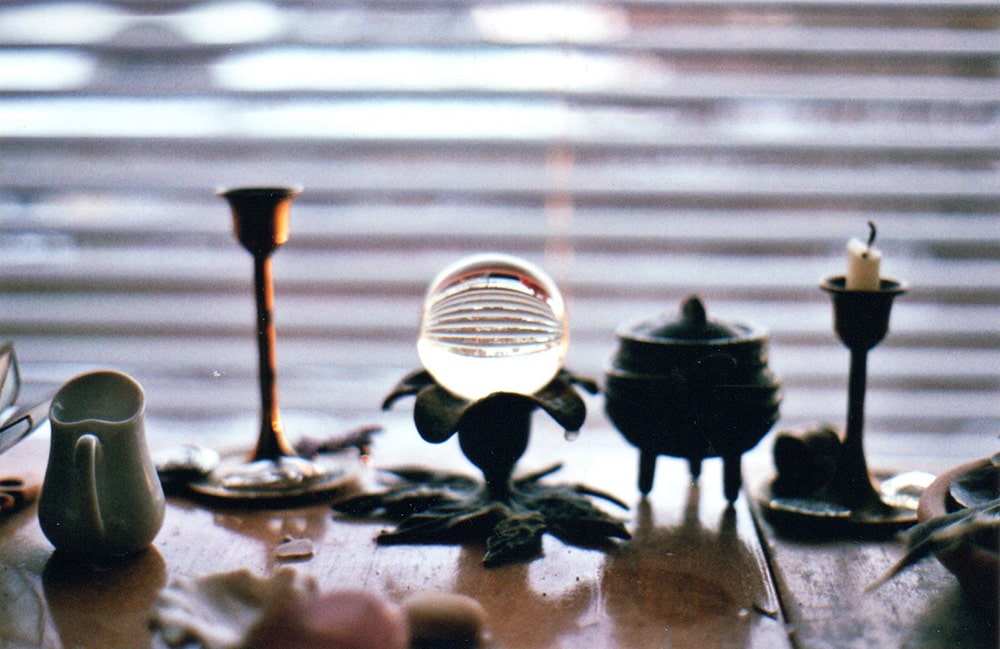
694	324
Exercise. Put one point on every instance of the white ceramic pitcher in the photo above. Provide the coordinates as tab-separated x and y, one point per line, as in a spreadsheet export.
101	497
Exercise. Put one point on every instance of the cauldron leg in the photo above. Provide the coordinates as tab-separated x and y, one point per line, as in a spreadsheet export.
732	479
694	466
647	467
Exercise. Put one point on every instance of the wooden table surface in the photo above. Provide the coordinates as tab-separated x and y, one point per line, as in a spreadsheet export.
695	574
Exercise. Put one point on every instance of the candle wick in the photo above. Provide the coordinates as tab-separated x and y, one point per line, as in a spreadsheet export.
871	233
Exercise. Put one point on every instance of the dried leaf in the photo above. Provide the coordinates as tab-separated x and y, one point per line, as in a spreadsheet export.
944	533
421	476
515	538
359	506
440	507
573	519
359	438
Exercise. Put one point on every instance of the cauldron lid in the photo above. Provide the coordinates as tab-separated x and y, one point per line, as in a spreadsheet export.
693	325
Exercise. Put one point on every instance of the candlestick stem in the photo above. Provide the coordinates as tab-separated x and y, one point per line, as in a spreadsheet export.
856	388
271	442
861	320
851	484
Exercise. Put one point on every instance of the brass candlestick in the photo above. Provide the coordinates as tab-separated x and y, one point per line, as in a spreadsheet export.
852	496
273	471
260	223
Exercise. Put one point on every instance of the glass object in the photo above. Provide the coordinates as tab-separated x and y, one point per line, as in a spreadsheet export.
493	323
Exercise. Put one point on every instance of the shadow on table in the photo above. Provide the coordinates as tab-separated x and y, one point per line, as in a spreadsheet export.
531	619
690	585
103	606
953	621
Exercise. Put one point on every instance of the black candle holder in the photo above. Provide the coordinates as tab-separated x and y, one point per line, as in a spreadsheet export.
850	496
511	514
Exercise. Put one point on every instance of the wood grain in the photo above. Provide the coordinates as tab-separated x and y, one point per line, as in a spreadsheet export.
694	572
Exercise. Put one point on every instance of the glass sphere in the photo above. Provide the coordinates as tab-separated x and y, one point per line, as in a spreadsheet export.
493	323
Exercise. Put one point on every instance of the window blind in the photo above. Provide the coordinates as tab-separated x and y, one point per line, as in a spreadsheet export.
639	151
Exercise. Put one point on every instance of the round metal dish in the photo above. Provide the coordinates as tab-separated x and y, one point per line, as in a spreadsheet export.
813	515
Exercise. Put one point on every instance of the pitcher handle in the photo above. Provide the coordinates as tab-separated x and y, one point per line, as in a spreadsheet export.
85	461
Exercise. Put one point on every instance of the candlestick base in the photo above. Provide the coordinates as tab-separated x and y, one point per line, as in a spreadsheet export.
811	494
324	466
292	480
820	515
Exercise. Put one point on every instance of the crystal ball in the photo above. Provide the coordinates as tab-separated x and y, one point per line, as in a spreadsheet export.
493	323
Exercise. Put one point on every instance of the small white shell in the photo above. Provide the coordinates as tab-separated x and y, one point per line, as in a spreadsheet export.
294	549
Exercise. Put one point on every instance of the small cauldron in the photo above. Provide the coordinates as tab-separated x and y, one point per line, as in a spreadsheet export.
692	388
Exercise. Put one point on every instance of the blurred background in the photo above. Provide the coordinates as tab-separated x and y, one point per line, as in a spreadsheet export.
640	151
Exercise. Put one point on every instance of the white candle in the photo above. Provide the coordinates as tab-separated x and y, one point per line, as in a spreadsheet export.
863	261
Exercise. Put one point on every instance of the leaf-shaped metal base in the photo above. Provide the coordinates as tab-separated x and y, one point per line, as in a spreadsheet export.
435	507
510	515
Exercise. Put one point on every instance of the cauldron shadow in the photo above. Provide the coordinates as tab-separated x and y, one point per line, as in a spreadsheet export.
509	589
684	585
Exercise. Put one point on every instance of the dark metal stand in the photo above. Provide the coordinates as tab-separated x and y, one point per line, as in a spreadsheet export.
511	514
851	497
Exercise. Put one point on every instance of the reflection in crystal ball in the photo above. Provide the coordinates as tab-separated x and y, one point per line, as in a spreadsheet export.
493	323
